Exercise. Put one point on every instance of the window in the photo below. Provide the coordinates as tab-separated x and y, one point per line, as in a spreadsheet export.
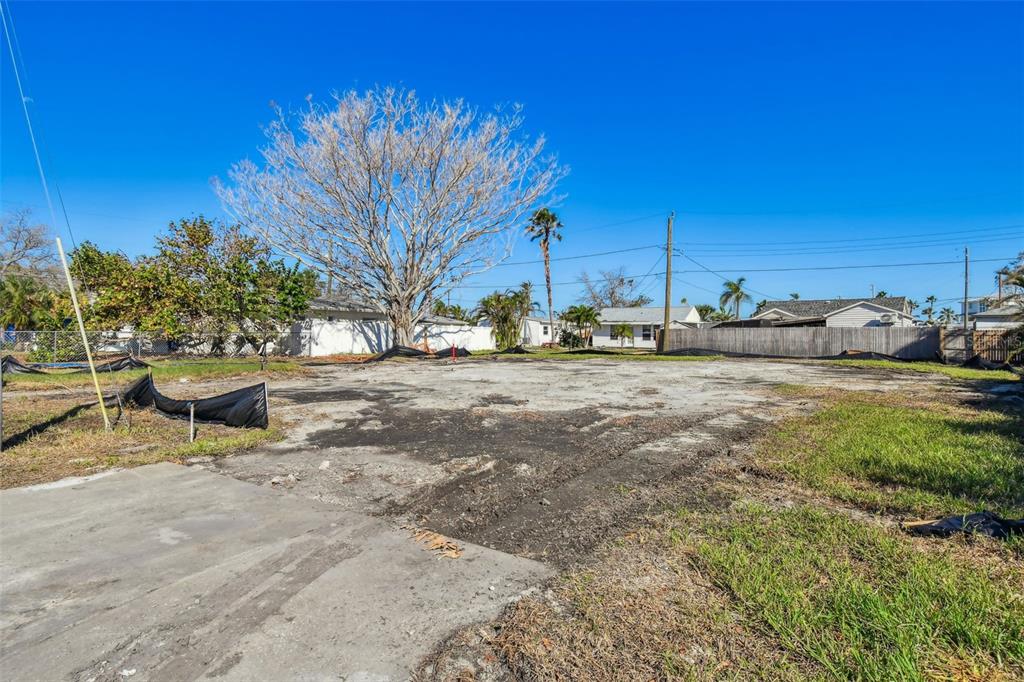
544	330
613	335
646	332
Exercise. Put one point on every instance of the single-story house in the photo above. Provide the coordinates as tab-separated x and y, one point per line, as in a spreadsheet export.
890	311
537	331
1004	315
334	325
646	323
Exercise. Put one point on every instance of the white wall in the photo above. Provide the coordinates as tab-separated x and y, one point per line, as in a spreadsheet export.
603	338
866	315
533	333
358	337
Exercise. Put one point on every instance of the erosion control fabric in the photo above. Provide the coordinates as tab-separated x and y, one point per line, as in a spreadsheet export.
10	365
127	362
245	408
984	523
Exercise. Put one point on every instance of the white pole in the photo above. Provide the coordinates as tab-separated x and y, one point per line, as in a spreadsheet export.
191	422
85	339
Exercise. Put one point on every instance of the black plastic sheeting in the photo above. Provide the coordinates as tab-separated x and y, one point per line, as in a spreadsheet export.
983	523
460	352
978	362
244	408
398	352
515	350
407	352
10	365
117	365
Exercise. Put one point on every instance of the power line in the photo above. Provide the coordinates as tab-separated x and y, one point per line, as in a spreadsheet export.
857	267
862	239
723	277
585	255
5	14
819	251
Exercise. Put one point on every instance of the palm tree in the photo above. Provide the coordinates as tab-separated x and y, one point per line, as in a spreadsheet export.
947	316
623	331
584	318
882	294
720	315
734	295
544	226
930	310
794	296
506	310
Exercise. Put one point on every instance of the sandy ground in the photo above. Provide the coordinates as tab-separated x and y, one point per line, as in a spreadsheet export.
541	459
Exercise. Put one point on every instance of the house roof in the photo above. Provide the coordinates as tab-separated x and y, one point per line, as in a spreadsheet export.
1007	309
340	305
651	315
825	307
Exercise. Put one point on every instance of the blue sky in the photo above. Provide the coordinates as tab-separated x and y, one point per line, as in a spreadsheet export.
783	135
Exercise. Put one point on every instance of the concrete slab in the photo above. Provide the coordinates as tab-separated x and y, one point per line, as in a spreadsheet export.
165	572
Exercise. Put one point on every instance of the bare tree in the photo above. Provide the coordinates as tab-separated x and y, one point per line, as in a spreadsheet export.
612	289
23	246
394	198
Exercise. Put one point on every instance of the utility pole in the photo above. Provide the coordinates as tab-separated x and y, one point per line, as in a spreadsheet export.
966	283
663	339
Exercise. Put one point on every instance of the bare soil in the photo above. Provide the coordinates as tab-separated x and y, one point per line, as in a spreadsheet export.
542	459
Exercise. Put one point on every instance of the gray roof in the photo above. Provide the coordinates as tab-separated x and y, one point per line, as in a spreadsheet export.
335	304
821	307
650	315
1007	309
338	304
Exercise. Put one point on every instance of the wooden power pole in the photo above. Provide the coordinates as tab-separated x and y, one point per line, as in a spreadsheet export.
663	338
966	283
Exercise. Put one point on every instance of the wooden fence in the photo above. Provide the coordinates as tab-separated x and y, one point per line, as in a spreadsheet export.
991	344
908	343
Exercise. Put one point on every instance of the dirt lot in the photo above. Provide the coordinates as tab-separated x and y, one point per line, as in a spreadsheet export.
541	459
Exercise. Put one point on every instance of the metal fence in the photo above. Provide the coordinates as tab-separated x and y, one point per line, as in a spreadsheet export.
65	345
908	343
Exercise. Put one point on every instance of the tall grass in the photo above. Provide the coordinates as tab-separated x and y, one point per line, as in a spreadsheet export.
892	458
863	602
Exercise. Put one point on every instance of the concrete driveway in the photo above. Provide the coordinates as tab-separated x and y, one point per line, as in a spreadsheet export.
174	573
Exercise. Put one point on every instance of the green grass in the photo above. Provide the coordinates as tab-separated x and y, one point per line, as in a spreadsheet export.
932	368
163	370
861	601
926	460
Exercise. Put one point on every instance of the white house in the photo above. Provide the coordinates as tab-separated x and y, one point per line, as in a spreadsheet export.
537	331
645	323
891	311
335	326
1007	315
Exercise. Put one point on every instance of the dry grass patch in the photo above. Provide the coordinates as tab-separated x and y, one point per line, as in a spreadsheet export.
76	444
639	612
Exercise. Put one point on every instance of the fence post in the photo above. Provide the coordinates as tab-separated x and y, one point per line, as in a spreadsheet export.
55	346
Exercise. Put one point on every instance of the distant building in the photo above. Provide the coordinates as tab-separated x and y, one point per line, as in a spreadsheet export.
1006	315
646	323
337	326
890	311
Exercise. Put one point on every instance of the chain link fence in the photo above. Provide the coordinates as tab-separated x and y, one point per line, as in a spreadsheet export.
62	346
